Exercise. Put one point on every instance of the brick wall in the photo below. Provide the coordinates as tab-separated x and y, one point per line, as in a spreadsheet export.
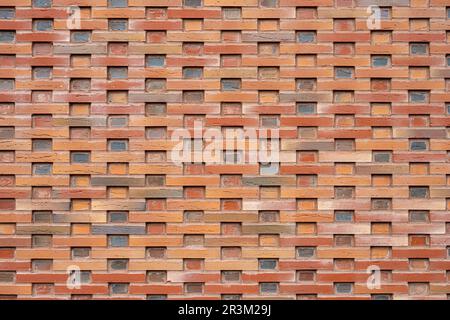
92	95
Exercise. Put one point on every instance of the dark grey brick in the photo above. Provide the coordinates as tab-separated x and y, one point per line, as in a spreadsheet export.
306	252
231	297
192	72
80	84
306	108
418	192
418	145
7	36
117	24
42	144
117	229
42	72
118	145
193	96
380	61
344	72
7	13
306	36
117	3
118	216
157	133
7	132
419	48
382	157
118	288
80	157
267	264
381	297
268	287
118	241
343	216
6	84
156	297
192	3
231	276
344	192
99	181
117	264
155	108
42	168
155	60
306	84
117	73
85	277
381	204
43	25
80	36
269	3
231	84
418	96
343	287
42	3
418	216
83	252
42	216
118	121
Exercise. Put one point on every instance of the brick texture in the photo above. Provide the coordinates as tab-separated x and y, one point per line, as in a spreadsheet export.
90	96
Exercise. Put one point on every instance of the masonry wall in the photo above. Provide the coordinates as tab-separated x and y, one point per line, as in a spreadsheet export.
93	91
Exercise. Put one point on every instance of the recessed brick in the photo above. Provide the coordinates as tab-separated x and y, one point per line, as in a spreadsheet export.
418	145
156	252
118	145
268	287
157	276
306	36
418	48
306	252
268	264
7	36
418	216
117	24
232	13
80	36
80	157
419	192
118	288
42	25
155	60
343	287
117	73
192	72
6	84
7	13
117	264
118	241
42	3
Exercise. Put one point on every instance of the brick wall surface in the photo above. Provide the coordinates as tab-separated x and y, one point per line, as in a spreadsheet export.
92	91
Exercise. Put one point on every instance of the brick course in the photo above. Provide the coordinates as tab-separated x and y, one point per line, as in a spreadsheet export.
87	182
